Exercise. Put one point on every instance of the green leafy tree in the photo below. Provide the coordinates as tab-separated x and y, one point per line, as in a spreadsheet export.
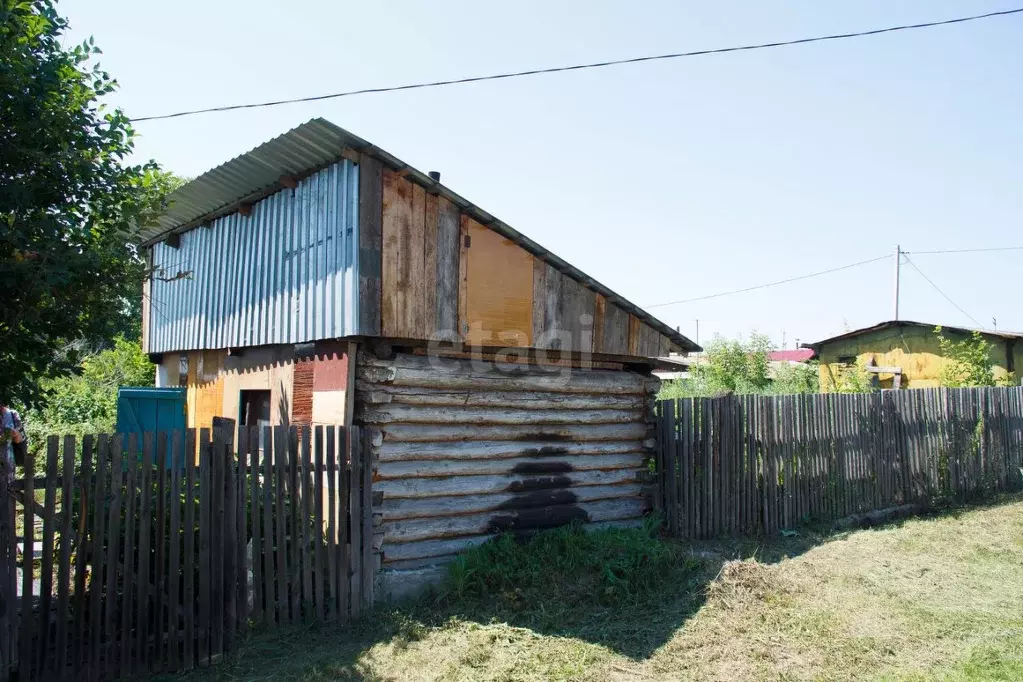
967	361
729	366
69	203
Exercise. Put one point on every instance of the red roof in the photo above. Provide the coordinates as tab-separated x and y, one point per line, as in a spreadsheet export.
797	355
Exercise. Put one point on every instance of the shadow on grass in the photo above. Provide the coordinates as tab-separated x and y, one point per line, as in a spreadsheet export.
628	591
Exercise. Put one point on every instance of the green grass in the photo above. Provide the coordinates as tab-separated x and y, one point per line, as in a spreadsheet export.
936	598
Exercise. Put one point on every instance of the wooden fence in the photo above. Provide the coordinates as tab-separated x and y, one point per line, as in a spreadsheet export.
749	464
152	556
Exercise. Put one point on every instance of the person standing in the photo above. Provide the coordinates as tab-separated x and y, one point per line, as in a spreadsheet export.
12	434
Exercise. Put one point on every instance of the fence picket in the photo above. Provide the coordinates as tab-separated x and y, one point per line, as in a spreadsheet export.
189	542
319	527
46	576
160	553
25	659
281	463
305	535
64	564
256	501
113	599
344	475
131	464
174	555
269	554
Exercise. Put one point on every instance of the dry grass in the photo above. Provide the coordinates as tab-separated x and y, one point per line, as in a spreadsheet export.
938	598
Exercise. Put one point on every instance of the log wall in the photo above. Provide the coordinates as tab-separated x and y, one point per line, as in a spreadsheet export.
465	449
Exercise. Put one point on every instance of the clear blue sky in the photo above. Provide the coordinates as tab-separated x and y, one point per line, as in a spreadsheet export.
666	180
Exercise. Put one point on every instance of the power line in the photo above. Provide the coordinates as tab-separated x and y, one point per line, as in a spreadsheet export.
579	67
771	284
938	289
997	248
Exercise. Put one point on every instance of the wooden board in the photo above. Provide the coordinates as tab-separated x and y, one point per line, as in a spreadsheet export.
599	312
446	251
403	229
616	330
578	304
635	335
499	289
370	244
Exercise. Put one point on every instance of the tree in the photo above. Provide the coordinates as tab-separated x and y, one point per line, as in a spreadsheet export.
730	366
86	402
967	362
69	202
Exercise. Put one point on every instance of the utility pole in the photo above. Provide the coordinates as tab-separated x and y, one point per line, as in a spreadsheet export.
898	263
697	332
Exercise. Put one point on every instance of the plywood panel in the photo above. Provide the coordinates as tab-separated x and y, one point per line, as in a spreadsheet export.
207	393
498	289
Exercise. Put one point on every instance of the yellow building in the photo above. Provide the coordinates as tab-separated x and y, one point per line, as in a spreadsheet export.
905	354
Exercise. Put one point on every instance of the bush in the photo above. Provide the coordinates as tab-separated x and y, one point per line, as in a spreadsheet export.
569	568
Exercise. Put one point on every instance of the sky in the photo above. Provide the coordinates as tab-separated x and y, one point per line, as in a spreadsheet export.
664	180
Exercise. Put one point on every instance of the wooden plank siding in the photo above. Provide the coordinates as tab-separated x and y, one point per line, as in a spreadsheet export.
419	285
445	275
464	450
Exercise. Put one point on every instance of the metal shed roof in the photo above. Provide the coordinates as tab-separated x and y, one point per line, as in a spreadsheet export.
312	146
890	324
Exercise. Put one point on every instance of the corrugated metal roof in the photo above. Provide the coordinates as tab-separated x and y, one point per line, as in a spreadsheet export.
314	145
816	345
308	147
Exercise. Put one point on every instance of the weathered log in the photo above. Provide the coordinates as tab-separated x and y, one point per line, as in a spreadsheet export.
393	564
553	433
428	552
465	377
434	507
415	488
411	530
525	465
375	394
418	414
397	451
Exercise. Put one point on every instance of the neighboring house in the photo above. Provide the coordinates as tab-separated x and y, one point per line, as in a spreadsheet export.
317	263
905	354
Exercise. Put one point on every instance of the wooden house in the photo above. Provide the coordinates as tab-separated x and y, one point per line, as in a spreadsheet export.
905	354
318	279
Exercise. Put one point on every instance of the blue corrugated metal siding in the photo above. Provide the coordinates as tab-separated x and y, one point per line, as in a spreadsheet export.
287	273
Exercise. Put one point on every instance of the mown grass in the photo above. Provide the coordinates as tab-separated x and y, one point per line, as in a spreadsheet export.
936	598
